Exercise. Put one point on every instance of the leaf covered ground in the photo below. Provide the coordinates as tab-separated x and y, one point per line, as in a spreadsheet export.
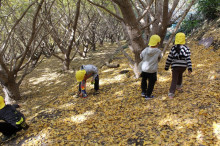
119	115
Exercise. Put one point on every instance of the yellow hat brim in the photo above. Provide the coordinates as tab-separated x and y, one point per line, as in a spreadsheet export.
2	102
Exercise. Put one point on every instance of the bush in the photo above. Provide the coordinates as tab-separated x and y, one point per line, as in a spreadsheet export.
209	8
190	23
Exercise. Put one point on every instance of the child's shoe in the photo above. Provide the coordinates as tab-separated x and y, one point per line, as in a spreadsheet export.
149	97
179	88
143	94
171	95
6	138
84	95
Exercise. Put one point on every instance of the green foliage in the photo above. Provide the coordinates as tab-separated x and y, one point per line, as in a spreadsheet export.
189	24
209	8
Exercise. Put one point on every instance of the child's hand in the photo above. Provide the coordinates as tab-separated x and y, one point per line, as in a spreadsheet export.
189	72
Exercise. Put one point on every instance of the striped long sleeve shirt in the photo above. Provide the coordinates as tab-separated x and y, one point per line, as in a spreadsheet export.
179	59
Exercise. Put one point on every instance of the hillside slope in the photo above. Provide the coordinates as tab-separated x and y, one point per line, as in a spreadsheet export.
119	115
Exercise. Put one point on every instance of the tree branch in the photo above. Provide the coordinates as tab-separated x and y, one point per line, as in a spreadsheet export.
14	26
74	27
58	57
33	33
146	10
175	3
113	14
148	25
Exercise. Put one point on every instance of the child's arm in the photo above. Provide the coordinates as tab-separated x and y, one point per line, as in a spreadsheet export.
160	55
169	60
141	55
189	64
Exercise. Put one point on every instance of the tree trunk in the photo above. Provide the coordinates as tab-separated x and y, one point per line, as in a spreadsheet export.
93	42
165	21
101	42
134	31
158	12
66	64
93	46
11	91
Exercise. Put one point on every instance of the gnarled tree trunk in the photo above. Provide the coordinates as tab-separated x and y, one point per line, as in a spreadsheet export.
11	90
134	31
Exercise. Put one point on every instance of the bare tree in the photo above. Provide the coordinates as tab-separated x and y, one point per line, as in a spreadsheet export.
19	48
62	22
144	18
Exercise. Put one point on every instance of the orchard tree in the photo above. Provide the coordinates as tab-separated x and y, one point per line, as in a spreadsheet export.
142	18
97	31
62	22
20	44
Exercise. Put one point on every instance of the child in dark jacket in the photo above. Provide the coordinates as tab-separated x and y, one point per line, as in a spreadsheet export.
179	59
14	120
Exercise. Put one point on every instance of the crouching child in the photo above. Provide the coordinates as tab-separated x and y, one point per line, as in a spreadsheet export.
85	72
12	120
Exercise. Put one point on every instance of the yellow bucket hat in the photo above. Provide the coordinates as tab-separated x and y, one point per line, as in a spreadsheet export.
2	102
80	75
180	38
154	40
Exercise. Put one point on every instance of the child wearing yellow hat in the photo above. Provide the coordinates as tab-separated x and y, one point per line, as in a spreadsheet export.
85	72
179	59
150	57
14	120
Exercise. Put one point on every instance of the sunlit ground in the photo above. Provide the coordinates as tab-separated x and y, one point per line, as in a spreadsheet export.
119	115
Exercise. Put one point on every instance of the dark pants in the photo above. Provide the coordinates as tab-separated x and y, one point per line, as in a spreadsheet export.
96	85
177	78
7	129
151	78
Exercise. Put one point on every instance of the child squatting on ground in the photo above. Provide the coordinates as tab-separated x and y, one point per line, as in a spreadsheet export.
85	72
150	57
14	120
179	59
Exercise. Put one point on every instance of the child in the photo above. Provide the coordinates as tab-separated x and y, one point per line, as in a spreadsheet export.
150	57
14	121
179	58
85	72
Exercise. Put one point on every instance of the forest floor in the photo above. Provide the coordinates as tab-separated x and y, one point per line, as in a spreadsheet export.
119	115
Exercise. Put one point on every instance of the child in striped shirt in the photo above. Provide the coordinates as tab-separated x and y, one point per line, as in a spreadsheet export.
179	59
